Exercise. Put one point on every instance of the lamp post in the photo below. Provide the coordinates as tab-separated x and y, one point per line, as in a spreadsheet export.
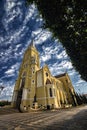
1	88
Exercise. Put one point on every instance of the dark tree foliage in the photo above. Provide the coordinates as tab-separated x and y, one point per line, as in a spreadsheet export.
67	20
81	99
3	103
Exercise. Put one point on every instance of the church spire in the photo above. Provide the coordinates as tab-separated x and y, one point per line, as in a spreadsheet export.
32	44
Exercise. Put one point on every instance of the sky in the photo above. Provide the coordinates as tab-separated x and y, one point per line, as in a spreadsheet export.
18	26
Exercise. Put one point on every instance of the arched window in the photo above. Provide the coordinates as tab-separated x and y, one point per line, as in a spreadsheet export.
46	74
50	92
48	81
24	74
22	83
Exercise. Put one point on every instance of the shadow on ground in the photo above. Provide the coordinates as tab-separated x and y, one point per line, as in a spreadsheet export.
76	122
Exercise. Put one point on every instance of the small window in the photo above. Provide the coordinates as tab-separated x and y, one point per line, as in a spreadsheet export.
32	81
66	81
50	92
29	90
33	72
46	74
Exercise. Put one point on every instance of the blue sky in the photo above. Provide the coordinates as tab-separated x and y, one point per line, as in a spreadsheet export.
18	26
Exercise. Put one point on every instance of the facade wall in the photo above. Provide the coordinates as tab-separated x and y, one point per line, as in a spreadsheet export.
35	84
41	96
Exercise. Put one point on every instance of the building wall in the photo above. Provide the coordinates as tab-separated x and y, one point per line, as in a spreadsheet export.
27	72
45	82
37	84
69	89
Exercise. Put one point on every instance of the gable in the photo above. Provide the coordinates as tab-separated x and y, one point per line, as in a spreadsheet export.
46	69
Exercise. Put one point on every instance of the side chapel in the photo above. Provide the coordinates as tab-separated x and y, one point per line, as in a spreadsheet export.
35	87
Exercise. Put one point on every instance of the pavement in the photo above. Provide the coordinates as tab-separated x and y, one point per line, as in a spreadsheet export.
61	119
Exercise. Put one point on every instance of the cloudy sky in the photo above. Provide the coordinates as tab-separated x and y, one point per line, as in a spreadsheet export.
18	26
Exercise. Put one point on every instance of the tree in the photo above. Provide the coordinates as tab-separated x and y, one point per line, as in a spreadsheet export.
66	19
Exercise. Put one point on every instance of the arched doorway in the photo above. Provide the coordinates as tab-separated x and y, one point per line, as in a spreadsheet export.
48	92
19	96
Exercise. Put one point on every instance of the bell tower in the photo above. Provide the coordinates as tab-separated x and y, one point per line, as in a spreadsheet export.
25	87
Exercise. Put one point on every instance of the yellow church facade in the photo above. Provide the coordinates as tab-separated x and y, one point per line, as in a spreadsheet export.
35	87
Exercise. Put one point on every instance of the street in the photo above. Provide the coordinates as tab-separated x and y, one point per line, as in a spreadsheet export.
62	119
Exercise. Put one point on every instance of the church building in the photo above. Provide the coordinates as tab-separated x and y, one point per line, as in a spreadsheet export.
35	87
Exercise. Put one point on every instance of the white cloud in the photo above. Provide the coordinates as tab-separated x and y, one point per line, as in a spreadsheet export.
10	71
9	4
55	69
15	66
66	64
1	39
42	37
30	11
61	55
45	58
36	32
7	92
11	13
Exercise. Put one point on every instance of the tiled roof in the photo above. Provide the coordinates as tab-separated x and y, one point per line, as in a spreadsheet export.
58	76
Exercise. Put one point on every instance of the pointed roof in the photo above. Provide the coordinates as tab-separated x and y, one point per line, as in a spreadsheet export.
46	67
32	44
61	75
